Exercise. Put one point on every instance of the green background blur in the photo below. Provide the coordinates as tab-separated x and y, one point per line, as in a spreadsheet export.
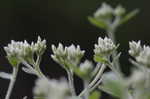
63	21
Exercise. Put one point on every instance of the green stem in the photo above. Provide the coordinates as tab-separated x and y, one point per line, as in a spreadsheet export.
12	82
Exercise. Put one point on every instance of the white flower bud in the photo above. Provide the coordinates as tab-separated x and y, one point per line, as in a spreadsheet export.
51	89
103	11
104	47
119	10
135	48
74	53
144	56
86	66
40	46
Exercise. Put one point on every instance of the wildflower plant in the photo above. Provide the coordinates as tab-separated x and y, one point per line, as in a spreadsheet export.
95	79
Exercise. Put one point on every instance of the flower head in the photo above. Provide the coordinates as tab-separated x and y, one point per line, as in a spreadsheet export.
51	89
104	11
119	10
69	54
18	50
135	48
40	46
104	47
144	56
15	49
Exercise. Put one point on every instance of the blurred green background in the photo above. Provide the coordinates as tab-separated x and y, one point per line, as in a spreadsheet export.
63	21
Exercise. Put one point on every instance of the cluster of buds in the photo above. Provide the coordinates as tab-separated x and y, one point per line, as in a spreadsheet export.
105	47
144	56
107	12
64	55
51	89
141	54
107	17
17	51
135	48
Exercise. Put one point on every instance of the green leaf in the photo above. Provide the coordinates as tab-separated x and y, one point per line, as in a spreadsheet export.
100	59
112	85
95	95
97	22
129	16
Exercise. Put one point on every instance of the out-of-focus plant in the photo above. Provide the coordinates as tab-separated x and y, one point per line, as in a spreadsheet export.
95	79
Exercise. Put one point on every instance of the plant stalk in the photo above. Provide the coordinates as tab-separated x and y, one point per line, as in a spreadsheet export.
12	82
71	82
99	74
111	34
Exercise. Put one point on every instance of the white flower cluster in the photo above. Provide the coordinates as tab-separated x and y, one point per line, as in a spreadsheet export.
69	54
135	48
15	49
40	46
141	54
22	50
104	47
106	11
144	56
51	89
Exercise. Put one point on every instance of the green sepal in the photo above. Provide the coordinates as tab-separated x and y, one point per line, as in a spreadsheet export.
13	61
100	59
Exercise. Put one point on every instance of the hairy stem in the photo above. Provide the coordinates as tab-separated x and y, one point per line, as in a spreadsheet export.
37	67
111	34
86	83
99	74
12	82
71	82
96	85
